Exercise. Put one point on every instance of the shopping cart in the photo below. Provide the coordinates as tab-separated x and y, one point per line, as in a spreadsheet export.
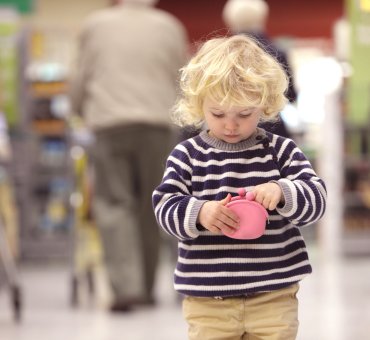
87	251
6	254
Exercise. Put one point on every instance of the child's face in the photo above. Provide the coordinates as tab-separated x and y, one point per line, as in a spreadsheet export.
232	124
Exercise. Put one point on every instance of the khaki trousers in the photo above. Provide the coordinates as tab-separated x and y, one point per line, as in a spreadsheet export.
267	316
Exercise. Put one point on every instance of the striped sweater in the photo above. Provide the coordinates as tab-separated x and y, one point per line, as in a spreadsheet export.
204	168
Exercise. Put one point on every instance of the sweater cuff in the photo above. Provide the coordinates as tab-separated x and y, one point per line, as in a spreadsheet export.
285	186
191	227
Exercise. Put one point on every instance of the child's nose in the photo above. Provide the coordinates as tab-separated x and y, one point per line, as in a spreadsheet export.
231	124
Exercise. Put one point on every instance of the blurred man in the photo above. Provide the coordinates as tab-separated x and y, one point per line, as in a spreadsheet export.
124	86
250	17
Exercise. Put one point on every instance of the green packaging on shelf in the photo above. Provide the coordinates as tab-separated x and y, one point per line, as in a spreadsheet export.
23	6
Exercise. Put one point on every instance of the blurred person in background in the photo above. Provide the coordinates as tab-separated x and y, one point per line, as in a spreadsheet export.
124	86
250	17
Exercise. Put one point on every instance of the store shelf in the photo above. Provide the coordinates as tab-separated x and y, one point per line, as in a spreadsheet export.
46	187
49	127
47	89
356	196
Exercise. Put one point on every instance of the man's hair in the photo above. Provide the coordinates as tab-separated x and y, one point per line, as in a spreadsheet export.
231	71
245	15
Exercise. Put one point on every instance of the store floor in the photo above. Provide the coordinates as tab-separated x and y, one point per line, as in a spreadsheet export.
334	304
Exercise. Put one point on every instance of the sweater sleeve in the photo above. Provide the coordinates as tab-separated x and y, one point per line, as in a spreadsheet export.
176	210
304	192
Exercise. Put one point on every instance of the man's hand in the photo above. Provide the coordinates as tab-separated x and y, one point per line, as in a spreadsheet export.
269	195
217	218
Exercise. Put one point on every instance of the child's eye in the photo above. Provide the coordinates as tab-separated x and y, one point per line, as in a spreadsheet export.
217	114
245	114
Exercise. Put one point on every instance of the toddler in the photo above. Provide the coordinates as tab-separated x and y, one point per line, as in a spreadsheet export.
237	289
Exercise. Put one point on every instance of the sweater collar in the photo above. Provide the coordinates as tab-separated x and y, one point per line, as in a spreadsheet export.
256	137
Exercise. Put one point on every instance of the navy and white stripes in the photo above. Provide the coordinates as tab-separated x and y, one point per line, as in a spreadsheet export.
204	168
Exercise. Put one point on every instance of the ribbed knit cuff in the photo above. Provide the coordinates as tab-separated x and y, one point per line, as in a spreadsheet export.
285	186
191	227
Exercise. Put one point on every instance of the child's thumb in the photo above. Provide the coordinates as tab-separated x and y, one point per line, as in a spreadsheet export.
226	200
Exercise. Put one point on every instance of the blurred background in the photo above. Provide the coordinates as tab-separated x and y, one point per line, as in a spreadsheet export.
52	277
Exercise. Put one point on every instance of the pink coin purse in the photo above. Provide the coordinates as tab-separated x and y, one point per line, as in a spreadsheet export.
253	216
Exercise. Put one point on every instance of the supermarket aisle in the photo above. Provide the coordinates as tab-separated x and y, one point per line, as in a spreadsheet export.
335	304
48	316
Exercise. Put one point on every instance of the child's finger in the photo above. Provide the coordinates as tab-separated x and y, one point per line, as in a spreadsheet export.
226	200
230	218
227	229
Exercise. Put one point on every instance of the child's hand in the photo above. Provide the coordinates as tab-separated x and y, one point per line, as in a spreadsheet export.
269	195
217	218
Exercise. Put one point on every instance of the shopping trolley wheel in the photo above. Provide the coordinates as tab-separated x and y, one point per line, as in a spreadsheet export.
17	302
74	291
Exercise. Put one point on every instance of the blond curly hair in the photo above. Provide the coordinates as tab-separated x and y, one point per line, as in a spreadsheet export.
231	71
